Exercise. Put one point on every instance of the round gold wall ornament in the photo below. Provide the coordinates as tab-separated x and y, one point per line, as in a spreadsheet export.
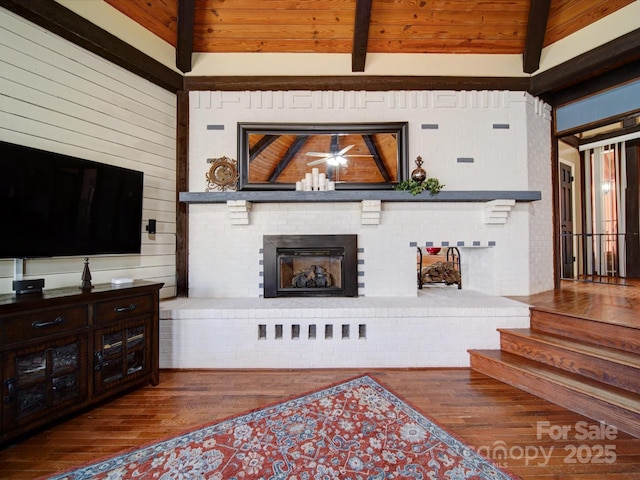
222	175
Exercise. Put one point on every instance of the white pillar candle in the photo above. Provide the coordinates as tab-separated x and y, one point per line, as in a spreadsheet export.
314	177
298	185
322	181
331	185
308	182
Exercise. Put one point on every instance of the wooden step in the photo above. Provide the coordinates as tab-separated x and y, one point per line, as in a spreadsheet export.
618	368
607	334
595	400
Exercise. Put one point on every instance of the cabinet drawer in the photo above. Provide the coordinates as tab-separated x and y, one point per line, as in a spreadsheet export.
20	328
123	308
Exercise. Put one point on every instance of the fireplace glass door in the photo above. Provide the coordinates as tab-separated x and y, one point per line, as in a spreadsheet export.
310	269
310	265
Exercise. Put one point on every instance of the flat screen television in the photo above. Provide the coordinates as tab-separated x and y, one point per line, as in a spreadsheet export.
58	205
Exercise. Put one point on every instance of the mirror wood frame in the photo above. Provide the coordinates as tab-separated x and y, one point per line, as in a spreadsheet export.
391	163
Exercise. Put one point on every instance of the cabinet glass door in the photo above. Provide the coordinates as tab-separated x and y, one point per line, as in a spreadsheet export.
40	379
30	388
120	354
135	349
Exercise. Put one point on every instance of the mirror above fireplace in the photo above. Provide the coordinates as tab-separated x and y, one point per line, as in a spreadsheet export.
365	156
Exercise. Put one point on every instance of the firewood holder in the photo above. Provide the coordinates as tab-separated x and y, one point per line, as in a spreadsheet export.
452	257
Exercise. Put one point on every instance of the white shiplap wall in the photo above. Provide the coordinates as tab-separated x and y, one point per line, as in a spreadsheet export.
59	97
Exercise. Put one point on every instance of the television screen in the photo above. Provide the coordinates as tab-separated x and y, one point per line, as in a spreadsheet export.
57	205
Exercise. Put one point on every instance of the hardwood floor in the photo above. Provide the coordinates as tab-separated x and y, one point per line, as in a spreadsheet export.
619	304
484	413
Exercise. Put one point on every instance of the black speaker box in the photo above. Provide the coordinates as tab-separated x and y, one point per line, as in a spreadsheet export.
28	286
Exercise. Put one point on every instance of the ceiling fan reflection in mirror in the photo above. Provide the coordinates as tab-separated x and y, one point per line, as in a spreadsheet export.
333	158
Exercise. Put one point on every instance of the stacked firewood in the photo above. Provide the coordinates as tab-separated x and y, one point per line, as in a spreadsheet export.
441	272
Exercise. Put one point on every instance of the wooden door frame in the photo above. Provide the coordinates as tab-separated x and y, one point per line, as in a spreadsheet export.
632	207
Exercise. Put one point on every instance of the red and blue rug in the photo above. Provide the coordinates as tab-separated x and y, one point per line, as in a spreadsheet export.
354	430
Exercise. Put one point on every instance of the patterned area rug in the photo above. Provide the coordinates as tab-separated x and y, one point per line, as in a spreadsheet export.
353	430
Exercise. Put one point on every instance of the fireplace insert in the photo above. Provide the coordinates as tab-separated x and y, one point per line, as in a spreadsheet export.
310	265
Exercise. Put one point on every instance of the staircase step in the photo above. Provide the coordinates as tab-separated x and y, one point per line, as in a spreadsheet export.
590	398
614	367
611	335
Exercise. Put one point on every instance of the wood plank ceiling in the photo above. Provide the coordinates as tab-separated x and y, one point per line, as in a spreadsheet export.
366	26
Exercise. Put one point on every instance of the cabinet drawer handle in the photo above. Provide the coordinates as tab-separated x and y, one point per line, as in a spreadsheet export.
130	308
52	323
99	361
10	383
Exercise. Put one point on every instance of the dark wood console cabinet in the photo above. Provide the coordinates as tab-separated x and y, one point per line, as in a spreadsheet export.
65	349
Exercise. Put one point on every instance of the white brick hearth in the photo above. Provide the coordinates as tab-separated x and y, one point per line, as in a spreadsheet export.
433	329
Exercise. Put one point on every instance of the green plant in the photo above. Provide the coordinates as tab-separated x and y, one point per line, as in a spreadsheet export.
411	186
432	185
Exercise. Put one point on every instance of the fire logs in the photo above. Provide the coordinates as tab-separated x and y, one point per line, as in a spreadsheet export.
315	277
441	272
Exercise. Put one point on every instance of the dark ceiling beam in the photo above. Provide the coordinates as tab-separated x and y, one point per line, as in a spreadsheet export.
261	145
287	157
354	82
605	81
360	35
609	56
377	158
71	26
184	40
335	143
536	29
571	140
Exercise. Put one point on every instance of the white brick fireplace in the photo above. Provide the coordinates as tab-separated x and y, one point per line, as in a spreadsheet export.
504	141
